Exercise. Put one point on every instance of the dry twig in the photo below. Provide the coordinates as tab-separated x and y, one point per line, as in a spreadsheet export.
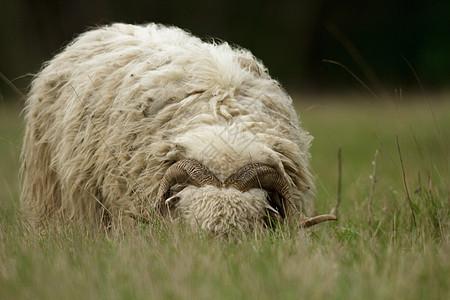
333	215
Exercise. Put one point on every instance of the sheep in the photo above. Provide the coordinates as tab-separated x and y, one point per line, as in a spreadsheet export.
133	123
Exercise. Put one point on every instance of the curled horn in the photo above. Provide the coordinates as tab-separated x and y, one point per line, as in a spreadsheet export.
184	171
261	176
266	177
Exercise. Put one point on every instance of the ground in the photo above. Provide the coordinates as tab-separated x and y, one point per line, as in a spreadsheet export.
398	254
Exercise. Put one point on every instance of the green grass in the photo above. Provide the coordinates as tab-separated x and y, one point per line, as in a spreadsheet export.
388	258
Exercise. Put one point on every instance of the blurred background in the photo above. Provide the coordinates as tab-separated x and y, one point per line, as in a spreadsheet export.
376	40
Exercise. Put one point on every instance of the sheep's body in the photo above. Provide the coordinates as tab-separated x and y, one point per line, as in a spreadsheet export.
109	115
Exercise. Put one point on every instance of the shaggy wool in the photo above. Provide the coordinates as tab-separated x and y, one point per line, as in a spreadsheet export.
118	106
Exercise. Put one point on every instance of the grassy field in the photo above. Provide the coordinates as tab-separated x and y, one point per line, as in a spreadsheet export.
392	256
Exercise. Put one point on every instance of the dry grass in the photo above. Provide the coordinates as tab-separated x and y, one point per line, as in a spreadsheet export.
387	258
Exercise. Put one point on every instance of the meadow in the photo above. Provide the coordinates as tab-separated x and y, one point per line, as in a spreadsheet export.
392	239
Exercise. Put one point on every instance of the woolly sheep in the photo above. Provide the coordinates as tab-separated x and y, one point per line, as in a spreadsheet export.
132	122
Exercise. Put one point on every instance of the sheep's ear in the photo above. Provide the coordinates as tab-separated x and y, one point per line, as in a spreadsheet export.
251	65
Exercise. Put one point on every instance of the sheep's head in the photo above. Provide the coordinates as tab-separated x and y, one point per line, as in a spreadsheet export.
219	198
254	195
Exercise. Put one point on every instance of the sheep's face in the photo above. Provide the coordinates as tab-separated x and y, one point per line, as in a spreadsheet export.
232	189
221	210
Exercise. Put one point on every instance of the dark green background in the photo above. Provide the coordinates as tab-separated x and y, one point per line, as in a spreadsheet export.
291	37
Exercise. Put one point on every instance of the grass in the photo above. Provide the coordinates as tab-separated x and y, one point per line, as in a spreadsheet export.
387	258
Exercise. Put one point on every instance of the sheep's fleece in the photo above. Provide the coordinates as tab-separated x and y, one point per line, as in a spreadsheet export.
112	112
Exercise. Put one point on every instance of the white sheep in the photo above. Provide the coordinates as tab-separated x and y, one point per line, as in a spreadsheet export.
132	120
